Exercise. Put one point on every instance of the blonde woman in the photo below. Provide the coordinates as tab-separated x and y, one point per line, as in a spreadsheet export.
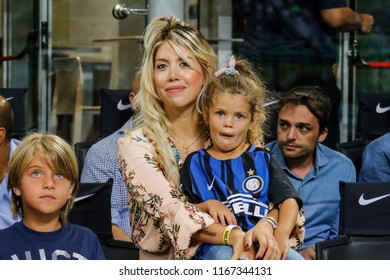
177	67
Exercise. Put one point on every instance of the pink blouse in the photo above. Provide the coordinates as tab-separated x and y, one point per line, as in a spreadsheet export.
160	215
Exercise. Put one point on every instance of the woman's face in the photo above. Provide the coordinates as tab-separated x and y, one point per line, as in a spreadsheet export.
177	84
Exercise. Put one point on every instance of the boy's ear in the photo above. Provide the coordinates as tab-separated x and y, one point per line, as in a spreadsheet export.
71	190
16	191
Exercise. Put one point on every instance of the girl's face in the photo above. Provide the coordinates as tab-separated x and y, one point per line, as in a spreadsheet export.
229	118
177	84
44	191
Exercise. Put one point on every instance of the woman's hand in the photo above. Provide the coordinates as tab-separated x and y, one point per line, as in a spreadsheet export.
263	233
237	241
220	213
283	244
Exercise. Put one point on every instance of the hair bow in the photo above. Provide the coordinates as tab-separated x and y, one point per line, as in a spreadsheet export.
228	71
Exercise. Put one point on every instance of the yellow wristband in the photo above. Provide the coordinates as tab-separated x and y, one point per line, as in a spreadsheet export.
226	234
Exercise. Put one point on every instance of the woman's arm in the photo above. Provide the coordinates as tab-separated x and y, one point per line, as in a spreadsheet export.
217	234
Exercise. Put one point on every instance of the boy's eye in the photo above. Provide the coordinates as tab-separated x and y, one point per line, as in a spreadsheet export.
59	176
36	173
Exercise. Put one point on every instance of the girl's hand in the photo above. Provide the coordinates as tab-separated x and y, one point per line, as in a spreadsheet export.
220	213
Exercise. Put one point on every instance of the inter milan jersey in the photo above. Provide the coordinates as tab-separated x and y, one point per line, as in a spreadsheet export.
246	184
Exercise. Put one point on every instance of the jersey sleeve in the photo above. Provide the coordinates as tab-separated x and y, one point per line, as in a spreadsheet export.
280	187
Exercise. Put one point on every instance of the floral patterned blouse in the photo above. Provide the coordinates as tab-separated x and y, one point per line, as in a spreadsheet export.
160	216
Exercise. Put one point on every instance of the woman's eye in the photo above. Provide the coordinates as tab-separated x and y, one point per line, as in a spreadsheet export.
184	64
161	66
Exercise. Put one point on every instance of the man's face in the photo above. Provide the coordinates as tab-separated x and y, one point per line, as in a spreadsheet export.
298	131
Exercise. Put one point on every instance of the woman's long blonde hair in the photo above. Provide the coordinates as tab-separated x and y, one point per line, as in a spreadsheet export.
152	117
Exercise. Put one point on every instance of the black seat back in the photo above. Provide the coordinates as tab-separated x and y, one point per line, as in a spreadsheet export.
364	224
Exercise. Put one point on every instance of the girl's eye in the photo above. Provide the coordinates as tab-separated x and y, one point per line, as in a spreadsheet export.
220	113
240	116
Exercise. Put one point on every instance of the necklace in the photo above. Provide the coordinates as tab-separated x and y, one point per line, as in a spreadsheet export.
190	145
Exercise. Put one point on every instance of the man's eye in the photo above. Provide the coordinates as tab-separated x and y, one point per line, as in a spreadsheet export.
304	129
283	125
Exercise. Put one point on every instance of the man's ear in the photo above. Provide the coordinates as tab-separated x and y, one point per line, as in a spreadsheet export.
3	132
323	135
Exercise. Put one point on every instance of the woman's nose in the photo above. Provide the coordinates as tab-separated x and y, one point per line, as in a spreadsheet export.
173	74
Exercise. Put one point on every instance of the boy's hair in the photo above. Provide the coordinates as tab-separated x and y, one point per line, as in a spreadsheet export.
58	154
152	116
315	101
246	83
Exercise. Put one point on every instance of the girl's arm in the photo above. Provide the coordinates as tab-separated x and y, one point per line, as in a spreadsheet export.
288	213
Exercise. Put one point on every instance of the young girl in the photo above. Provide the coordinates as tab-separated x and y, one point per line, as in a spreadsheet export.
237	170
43	178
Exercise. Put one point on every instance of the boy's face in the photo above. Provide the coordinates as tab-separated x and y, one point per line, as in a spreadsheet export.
44	191
298	131
229	118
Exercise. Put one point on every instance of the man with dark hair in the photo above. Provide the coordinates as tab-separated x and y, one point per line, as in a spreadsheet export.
7	147
314	169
